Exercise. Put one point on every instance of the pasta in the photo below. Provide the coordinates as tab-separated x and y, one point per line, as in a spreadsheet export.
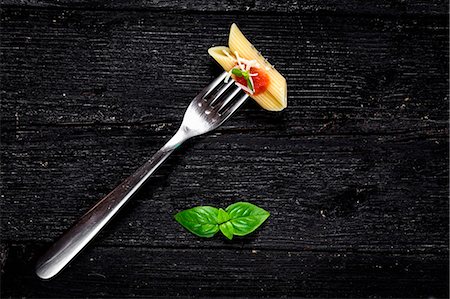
251	71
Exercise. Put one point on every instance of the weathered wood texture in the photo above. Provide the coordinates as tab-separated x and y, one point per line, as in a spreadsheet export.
354	172
404	7
167	272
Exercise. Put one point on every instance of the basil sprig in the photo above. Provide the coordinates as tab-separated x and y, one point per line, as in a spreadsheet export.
238	219
245	74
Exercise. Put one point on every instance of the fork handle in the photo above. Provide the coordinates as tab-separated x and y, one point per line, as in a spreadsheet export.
78	236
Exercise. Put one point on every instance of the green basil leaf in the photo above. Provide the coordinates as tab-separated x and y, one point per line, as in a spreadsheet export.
249	83
227	229
246	217
236	72
201	221
222	216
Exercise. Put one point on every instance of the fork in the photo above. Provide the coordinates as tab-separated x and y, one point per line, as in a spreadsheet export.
209	109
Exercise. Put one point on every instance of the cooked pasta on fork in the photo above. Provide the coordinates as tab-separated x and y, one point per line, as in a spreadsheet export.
251	71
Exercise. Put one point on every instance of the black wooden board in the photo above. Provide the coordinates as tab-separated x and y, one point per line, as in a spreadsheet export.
370	7
145	272
354	172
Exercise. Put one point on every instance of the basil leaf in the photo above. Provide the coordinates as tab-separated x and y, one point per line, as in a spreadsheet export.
245	74
227	229
249	83
238	219
245	217
236	72
222	216
201	221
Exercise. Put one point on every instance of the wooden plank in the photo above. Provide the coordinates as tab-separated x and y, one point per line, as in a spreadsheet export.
109	272
345	74
88	96
323	192
354	172
409	7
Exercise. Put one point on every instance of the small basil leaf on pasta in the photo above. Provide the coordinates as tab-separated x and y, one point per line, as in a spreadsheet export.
249	83
236	72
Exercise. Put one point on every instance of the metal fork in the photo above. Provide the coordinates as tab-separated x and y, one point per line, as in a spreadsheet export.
209	109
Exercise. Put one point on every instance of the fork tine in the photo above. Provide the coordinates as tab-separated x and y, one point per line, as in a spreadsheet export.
222	90
213	106
213	85
236	89
226	112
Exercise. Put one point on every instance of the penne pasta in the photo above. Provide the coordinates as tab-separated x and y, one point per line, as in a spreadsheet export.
251	70
218	53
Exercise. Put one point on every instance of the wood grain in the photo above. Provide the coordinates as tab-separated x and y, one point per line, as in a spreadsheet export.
110	271
380	7
322	192
354	172
125	68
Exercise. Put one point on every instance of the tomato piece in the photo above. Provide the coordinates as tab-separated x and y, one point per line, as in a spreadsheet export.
260	82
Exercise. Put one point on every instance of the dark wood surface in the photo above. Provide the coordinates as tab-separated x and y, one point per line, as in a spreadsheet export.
354	171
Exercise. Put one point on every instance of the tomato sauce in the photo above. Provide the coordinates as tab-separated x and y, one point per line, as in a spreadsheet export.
260	82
